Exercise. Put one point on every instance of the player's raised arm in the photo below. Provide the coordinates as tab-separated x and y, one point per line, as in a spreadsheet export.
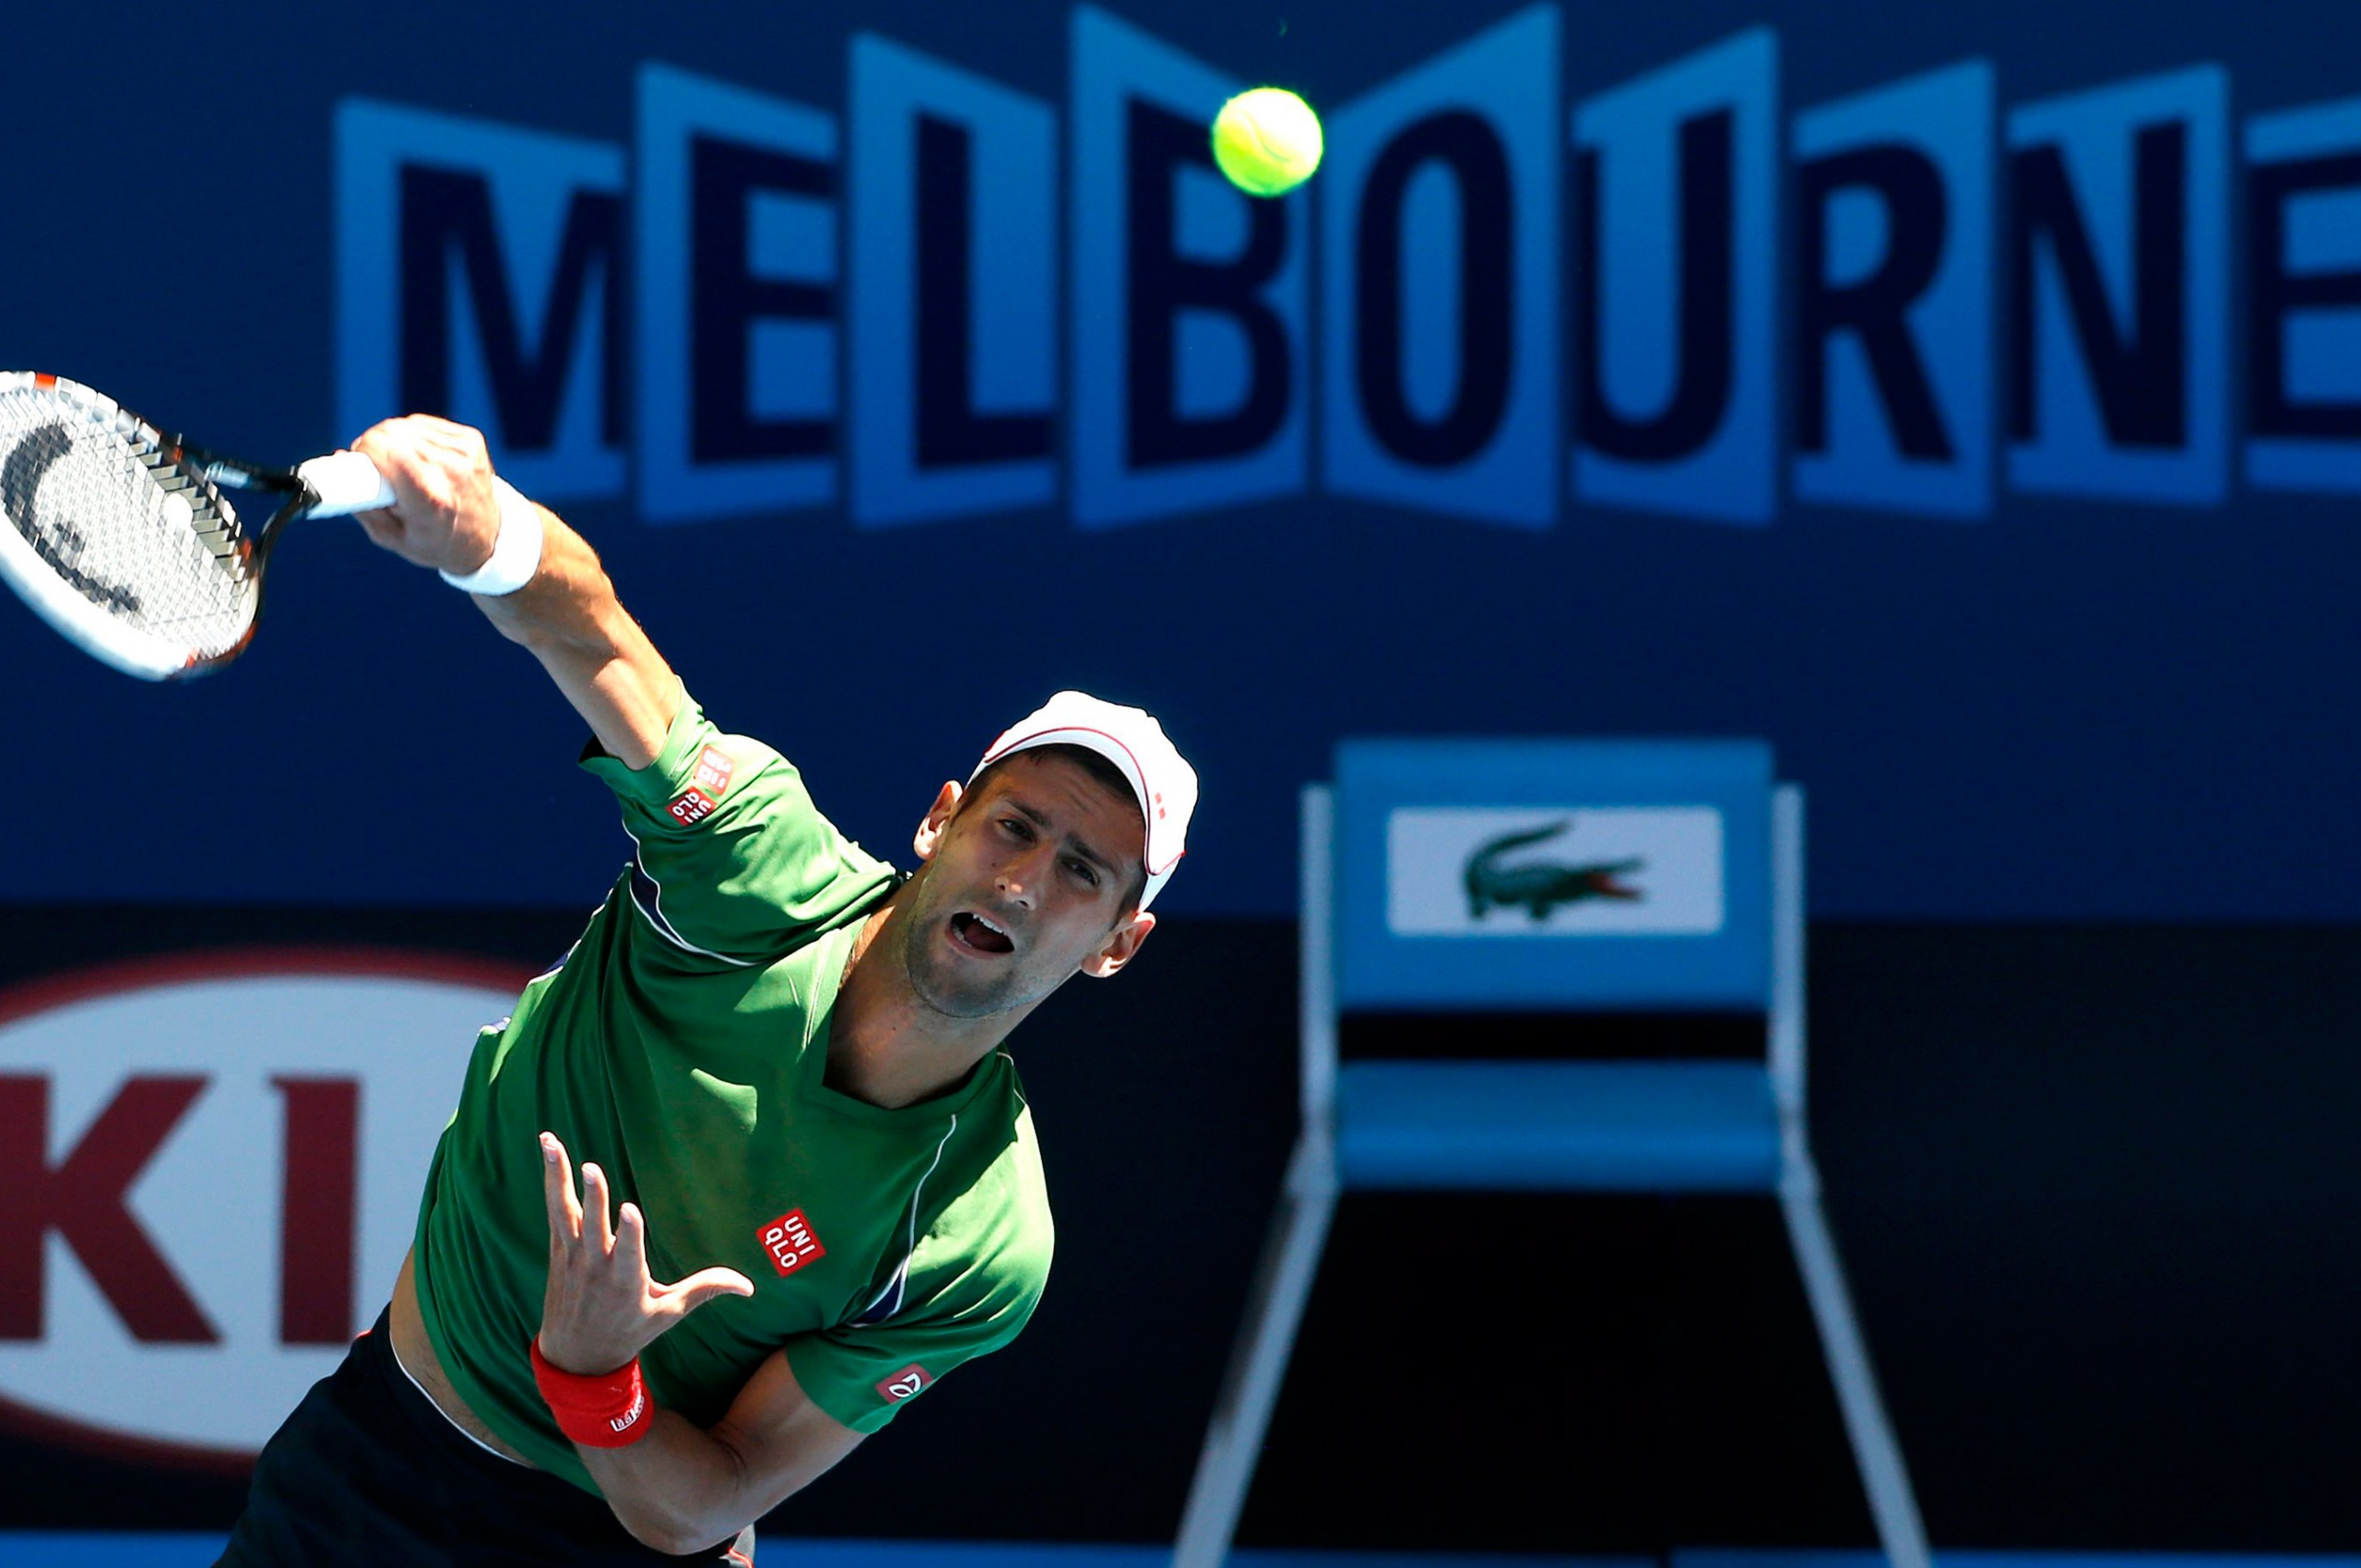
537	580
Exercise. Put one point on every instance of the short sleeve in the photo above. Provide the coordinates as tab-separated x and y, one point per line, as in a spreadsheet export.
733	862
956	1302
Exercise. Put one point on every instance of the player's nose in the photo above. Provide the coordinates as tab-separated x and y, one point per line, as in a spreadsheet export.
1019	878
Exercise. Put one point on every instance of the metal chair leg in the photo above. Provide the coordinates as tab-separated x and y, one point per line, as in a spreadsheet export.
1258	1362
1875	1451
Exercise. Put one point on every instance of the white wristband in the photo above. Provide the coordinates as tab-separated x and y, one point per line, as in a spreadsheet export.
516	554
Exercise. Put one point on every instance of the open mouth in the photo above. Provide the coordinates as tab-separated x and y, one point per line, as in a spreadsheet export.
980	936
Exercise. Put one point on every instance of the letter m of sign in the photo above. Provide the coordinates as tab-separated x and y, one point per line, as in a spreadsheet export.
477	278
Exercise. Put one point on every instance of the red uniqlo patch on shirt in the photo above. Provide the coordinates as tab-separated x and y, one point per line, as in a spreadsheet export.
690	806
791	1243
904	1383
713	772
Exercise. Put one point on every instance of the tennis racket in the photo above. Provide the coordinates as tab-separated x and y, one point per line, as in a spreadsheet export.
120	536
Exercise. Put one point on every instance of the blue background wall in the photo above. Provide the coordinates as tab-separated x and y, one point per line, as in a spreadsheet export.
2066	708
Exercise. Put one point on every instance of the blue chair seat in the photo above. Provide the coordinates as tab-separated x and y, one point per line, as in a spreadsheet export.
1575	1126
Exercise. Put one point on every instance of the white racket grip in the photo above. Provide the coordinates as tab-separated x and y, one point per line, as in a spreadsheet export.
346	482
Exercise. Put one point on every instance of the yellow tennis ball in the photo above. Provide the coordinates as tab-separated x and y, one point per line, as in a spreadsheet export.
1267	141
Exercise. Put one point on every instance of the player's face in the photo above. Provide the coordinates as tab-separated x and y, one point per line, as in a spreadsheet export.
1025	885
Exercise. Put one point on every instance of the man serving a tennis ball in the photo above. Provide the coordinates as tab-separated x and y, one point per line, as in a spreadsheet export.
809	1186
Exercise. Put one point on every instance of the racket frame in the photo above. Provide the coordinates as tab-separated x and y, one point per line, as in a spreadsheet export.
178	466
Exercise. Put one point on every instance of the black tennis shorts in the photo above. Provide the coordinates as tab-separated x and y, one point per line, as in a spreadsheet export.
368	1470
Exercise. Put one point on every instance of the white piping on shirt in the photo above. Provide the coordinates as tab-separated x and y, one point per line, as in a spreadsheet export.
480	1443
656	917
901	1275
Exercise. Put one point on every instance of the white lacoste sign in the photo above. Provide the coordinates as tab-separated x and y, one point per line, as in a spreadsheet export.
1553	871
209	1171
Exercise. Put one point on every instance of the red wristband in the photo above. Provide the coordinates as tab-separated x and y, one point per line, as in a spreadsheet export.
608	1410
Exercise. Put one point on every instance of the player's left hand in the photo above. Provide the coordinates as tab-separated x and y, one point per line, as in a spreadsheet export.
602	1307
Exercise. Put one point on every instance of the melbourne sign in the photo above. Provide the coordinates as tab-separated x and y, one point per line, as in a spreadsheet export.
210	1172
949	296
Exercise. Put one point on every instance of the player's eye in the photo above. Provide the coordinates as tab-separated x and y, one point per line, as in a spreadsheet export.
1017	826
1081	869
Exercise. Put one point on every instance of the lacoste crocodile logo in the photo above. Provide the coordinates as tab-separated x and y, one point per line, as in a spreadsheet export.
1540	886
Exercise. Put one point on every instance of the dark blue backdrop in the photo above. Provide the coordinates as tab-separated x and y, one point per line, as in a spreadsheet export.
2069	708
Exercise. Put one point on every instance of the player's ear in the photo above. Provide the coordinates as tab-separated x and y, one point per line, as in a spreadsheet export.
1121	945
938	817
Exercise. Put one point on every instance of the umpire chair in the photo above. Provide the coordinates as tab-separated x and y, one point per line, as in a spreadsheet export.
1427	883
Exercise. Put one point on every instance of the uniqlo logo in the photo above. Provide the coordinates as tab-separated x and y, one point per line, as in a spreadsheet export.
713	772
691	807
790	1243
904	1383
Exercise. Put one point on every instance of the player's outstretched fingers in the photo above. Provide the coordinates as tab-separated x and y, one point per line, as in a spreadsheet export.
631	1245
598	1210
557	1192
676	1301
705	1285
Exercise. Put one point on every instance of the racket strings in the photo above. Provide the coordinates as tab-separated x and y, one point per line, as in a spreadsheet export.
106	504
216	527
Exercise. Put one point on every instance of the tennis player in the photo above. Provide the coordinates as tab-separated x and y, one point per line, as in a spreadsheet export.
808	1183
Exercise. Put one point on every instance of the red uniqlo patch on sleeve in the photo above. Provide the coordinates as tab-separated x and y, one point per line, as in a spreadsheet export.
713	772
690	806
904	1383
791	1243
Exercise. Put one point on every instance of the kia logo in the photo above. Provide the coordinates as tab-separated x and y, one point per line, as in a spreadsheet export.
209	1171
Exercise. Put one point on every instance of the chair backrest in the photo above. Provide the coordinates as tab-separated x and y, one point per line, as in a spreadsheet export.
1552	876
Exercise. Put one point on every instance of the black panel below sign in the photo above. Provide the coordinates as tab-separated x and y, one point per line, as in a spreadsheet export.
1543	1037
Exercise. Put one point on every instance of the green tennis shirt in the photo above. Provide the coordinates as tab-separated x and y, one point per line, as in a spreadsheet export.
681	1045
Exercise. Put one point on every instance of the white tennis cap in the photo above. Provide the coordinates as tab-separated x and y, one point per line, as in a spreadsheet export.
1165	785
